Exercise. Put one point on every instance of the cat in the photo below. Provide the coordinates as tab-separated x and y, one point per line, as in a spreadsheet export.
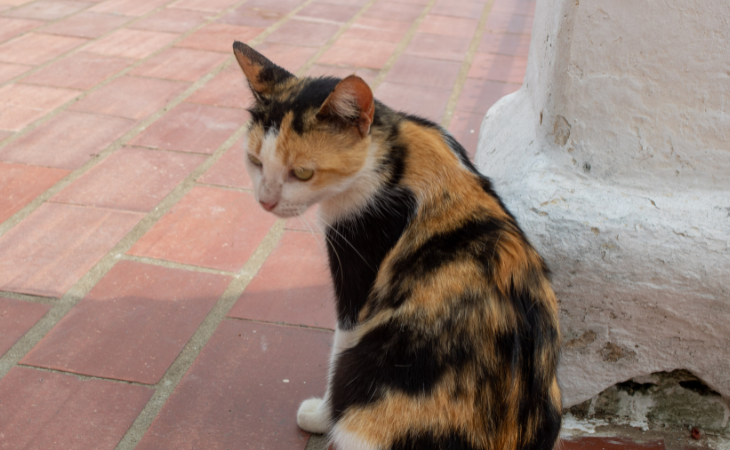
447	331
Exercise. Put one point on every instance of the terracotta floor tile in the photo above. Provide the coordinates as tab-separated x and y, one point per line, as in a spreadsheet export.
306	222
20	184
468	9
358	53
209	227
128	7
16	318
50	410
219	37
304	33
419	71
424	101
359	3
204	5
465	129
328	11
228	89
54	246
521	7
448	26
132	179
318	70
114	99
372	29
509	23
505	44
132	325
86	25
179	64
15	3
80	70
21	104
36	48
254	16
294	285
479	95
508	69
192	128
49	9
9	28
66	141
230	170
171	20
290	57
10	71
244	389
436	46
131	43
403	12
609	443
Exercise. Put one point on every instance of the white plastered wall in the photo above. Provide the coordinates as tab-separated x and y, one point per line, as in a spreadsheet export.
615	159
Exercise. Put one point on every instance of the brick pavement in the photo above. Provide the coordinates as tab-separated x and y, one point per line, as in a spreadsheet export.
145	299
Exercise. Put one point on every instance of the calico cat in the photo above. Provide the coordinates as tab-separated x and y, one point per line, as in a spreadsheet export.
447	333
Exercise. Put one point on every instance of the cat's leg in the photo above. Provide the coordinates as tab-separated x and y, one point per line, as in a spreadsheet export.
314	413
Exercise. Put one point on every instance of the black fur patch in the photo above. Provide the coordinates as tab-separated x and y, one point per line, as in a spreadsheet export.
427	441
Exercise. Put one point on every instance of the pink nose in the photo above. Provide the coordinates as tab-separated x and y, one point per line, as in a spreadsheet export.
268	206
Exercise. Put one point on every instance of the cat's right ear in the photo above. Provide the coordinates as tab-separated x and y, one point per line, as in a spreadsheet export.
262	74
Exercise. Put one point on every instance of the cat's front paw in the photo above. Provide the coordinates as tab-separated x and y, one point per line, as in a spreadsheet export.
313	416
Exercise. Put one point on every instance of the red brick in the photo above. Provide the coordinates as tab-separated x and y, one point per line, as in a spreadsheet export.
428	102
318	70
204	5
300	32
10	71
360	3
437	46
66	141
228	89
468	9
132	325
219	37
230	170
244	389
209	227
260	17
505	44
448	26
36	48
86	25
415	70
54	246
328	11
609	443
21	104
293	286
192	128
128	7
131	43
403	12
132	179
49	9
358	53
479	95
509	23
21	184
16	318
179	64
518	7
508	69
171	20
368	28
51	410
80	70
290	57
131	97
9	28
465	129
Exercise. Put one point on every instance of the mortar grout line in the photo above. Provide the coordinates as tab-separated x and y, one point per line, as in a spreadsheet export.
226	188
466	65
175	265
281	324
202	335
83	377
29	298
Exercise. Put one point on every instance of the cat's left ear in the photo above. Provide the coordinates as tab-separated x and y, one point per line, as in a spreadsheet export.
351	102
262	74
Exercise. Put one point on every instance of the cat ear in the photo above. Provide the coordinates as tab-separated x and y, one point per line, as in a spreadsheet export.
352	102
262	74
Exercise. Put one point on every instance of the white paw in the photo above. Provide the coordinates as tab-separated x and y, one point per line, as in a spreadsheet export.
313	416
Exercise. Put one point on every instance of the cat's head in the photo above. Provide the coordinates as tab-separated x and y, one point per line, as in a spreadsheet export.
309	138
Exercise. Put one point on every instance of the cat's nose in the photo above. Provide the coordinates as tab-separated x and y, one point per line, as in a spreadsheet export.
268	206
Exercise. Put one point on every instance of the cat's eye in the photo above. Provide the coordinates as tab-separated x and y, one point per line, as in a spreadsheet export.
255	160
303	174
